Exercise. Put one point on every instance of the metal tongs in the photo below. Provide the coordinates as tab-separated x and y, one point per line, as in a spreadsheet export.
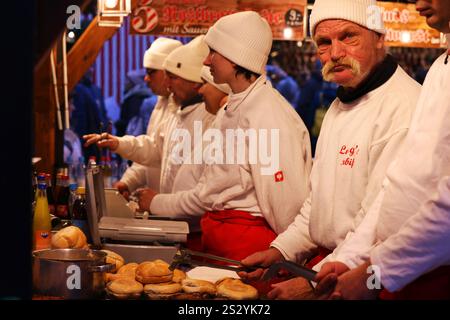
294	268
184	256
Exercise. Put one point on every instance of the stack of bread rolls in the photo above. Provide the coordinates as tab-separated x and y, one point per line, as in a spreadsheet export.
154	278
160	283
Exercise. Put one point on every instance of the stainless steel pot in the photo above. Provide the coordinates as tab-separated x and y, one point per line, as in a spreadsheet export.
70	273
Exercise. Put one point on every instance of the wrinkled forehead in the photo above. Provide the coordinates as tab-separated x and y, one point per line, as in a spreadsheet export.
335	27
328	25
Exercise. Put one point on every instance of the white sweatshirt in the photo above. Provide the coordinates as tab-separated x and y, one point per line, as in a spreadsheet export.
277	192
411	213
357	143
185	119
145	151
189	175
138	175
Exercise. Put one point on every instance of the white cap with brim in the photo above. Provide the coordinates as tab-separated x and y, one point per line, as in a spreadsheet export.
159	50
187	61
206	75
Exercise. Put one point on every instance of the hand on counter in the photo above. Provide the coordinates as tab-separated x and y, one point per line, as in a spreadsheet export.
104	140
262	258
352	285
145	196
122	187
327	278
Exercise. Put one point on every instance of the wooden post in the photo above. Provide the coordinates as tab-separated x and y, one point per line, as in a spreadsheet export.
81	56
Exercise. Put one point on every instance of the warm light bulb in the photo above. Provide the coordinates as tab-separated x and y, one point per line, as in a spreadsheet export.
405	37
288	33
110	4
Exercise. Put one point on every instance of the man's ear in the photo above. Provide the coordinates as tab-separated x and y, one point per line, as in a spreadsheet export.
380	41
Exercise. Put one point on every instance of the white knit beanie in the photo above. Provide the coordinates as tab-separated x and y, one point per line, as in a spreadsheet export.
244	38
206	75
362	12
159	50
187	61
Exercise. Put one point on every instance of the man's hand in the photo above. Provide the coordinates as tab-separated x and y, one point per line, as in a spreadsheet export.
122	187
327	277
145	197
104	140
352	285
293	289
262	258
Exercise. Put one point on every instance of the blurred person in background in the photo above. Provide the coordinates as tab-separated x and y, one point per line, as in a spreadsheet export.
136	91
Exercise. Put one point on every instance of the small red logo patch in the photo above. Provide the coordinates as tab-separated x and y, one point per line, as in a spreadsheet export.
279	176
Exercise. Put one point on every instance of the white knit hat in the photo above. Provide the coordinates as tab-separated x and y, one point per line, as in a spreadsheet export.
206	75
362	12
159	50
187	61
245	38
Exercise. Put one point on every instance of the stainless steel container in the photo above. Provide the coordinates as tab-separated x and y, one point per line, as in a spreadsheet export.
70	273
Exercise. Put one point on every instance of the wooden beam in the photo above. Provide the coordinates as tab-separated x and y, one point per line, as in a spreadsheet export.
85	51
50	20
81	56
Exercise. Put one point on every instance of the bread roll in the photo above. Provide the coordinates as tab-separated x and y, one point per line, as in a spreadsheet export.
114	258
198	286
178	275
125	286
162	290
127	271
153	272
68	238
235	289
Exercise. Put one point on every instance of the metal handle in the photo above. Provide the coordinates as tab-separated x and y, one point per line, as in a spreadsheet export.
103	268
294	268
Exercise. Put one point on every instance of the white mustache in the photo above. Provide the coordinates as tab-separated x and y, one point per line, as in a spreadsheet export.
354	65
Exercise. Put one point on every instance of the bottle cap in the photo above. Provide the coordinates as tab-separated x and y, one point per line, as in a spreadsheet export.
81	190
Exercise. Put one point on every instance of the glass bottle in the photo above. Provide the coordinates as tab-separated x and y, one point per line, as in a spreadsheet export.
105	164
81	172
62	199
41	221
50	195
79	212
72	196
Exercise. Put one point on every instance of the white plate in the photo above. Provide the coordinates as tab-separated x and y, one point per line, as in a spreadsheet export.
211	274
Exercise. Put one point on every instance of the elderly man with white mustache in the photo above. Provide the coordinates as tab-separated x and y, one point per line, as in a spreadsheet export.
361	133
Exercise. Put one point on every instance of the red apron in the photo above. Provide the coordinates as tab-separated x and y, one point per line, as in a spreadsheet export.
234	234
194	241
434	285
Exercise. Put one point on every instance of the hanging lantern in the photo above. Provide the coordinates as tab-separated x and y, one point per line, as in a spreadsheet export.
111	12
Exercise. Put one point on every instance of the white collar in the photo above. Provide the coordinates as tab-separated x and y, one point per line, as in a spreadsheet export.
235	99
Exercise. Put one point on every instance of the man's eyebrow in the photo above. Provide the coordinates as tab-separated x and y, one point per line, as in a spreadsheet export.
321	38
345	30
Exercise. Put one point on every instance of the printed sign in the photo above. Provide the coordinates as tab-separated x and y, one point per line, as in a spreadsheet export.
193	17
